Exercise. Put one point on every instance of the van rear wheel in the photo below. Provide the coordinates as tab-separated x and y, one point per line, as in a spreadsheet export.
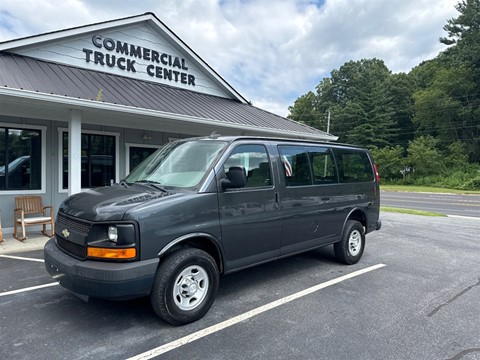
185	286
350	249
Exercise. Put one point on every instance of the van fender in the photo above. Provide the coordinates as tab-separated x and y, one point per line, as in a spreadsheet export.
212	240
357	214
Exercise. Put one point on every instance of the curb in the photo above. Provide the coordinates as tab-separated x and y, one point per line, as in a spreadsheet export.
10	245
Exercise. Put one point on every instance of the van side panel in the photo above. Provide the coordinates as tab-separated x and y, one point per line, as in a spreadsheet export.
178	215
311	217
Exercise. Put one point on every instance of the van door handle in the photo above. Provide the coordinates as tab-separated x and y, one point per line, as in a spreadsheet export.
277	200
326	199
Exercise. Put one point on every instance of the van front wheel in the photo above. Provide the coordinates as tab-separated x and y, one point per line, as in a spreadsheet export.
349	250
185	286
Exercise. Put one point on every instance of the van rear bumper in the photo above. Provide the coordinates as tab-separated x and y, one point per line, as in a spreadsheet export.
106	280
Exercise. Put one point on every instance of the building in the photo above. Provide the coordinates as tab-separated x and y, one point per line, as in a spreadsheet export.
81	107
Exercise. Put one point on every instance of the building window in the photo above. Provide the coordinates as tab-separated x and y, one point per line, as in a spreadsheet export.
20	159
98	160
136	154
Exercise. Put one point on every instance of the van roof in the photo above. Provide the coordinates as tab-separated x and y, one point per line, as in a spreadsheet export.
275	139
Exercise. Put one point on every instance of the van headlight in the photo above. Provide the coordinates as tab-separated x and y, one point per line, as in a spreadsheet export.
113	241
113	233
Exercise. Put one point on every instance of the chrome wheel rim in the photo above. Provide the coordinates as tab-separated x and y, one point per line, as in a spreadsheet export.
190	288
354	243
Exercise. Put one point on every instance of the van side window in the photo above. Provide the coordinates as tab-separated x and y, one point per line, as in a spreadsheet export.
296	165
255	162
353	166
323	165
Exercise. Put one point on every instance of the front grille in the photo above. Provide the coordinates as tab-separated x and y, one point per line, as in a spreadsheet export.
76	250
75	227
78	226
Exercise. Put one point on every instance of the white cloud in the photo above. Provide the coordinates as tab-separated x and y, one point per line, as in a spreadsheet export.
270	51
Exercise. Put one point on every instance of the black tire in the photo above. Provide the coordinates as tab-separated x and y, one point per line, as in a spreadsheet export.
185	286
350	249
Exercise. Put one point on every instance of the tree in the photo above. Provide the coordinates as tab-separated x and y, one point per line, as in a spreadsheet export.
399	90
391	161
425	157
305	111
448	109
464	33
360	101
457	156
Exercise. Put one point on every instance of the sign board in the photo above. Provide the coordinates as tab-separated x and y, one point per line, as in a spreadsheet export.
136	51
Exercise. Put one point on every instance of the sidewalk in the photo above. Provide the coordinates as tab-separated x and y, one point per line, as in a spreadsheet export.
34	241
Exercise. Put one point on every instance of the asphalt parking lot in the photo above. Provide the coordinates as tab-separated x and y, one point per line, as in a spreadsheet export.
414	295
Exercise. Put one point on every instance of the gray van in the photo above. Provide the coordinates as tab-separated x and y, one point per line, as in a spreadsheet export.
203	207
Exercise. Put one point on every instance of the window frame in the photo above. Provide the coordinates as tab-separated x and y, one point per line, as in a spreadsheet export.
43	163
85	132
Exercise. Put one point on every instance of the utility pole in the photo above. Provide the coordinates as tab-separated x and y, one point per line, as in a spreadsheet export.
328	122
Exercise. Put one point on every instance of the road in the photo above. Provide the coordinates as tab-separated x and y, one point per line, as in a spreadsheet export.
413	296
449	204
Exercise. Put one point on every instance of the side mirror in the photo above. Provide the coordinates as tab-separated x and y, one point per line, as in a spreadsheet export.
236	178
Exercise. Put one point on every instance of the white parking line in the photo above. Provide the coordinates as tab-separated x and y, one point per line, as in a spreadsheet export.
242	317
27	289
464	217
22	258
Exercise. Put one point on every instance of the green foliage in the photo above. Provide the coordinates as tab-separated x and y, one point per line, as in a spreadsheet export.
424	156
464	33
305	111
357	94
472	184
457	156
390	161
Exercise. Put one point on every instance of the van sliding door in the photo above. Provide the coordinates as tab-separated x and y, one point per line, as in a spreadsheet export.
308	197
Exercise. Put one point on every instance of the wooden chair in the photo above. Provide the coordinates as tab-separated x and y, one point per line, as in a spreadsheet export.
29	210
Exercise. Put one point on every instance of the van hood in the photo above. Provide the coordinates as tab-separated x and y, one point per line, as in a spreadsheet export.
110	202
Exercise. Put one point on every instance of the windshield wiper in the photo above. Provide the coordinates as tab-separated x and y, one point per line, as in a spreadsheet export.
124	183
152	183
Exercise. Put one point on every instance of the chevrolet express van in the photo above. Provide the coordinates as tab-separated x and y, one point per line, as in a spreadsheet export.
204	207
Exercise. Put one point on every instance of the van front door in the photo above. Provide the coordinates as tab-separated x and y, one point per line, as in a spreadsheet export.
250	215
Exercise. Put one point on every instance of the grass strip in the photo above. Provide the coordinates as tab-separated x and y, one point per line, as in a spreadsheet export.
426	189
410	211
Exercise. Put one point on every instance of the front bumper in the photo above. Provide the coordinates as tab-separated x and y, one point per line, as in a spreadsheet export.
100	279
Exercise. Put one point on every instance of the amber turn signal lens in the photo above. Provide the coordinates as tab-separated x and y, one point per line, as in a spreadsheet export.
110	253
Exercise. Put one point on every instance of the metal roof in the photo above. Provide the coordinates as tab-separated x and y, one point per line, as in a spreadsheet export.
24	73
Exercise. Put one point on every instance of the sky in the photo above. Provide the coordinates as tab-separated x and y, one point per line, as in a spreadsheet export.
271	51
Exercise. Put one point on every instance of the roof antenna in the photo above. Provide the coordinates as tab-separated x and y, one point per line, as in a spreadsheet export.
214	135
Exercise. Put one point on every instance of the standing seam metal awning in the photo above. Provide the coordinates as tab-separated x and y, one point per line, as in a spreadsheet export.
19	72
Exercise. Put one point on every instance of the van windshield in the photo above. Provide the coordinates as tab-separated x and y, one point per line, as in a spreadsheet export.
180	164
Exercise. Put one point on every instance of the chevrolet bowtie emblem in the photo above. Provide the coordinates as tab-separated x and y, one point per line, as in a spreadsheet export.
65	233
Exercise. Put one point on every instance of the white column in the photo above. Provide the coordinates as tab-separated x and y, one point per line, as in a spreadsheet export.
75	152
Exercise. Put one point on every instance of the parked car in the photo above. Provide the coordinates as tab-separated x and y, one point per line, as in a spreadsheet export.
205	207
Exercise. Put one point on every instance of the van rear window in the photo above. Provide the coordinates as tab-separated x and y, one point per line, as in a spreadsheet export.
353	166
